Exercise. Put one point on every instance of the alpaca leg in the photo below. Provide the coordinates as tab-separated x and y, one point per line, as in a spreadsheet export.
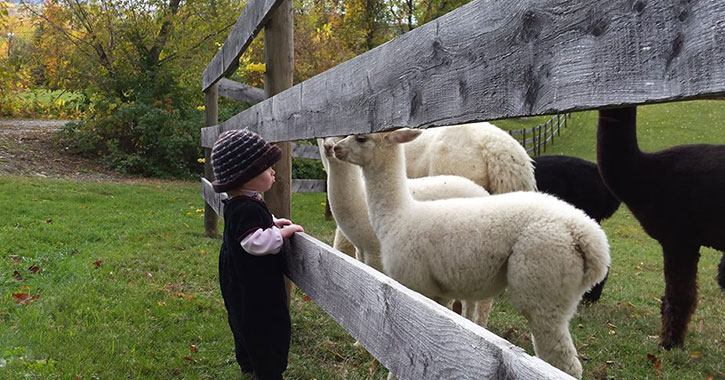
680	299
595	292
343	245
548	320
544	281
553	344
477	311
458	307
721	272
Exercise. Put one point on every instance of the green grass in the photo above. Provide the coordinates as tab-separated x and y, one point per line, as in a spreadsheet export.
47	97
40	103
155	293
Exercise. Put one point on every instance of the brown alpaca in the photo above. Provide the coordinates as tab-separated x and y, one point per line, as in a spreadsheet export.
677	196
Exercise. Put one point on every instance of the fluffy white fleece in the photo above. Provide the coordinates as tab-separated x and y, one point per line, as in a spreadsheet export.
547	252
347	197
346	194
480	152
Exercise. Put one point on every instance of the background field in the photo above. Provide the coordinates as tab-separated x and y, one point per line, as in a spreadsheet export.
126	282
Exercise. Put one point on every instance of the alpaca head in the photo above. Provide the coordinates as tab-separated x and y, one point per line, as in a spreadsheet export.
361	149
327	144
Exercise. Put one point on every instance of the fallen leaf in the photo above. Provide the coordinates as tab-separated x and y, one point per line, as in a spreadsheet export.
189	359
49	221
630	304
658	299
34	269
612	325
581	326
306	298
695	354
17	276
192	348
187	297
16	258
149	275
98	262
24	298
609	362
658	367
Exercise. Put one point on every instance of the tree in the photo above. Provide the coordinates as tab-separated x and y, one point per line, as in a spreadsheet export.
128	49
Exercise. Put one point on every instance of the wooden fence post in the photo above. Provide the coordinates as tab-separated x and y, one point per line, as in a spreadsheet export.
211	114
279	58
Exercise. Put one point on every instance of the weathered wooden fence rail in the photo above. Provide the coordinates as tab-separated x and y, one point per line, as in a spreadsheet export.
484	61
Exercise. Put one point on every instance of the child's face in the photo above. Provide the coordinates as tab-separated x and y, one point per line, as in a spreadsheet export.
262	182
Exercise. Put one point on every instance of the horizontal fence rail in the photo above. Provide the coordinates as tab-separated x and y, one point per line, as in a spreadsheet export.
240	91
305	151
254	15
489	60
387	319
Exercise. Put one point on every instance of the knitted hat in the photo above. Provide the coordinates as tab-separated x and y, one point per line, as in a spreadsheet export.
238	156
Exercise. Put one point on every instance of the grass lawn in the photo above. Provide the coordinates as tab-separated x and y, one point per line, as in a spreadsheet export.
120	282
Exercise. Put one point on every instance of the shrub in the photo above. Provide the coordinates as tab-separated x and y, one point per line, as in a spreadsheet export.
151	140
307	168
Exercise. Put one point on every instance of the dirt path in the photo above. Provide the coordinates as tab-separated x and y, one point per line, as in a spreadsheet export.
28	147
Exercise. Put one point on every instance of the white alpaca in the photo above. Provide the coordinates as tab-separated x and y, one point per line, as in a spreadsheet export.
346	194
490	157
480	152
547	252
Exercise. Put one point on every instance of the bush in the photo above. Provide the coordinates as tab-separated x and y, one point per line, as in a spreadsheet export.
307	168
151	140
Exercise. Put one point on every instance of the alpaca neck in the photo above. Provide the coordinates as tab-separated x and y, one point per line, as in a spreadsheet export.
387	188
618	155
345	191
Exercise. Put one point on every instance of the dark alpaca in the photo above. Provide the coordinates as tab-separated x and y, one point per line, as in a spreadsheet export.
677	196
577	182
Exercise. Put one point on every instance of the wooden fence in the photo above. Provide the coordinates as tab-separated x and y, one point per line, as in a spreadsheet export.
535	139
487	60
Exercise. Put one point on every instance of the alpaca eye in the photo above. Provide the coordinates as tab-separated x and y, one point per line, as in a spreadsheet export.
361	139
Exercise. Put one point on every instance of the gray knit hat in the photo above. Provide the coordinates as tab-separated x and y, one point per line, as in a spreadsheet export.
238	156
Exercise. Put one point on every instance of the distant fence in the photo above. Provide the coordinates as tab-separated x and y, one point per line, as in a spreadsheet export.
536	139
486	60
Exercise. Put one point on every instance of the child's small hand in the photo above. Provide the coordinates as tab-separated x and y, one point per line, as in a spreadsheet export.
290	229
282	222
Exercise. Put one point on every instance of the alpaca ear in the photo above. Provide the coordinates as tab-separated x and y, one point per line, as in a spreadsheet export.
402	135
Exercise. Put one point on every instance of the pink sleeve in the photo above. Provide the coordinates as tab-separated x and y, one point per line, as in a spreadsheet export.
263	241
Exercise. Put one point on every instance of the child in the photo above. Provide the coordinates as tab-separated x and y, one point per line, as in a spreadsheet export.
250	264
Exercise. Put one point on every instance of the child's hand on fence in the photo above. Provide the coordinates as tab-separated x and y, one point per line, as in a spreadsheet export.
290	229
282	222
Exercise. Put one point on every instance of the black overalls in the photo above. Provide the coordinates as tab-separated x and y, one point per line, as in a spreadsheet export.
254	292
